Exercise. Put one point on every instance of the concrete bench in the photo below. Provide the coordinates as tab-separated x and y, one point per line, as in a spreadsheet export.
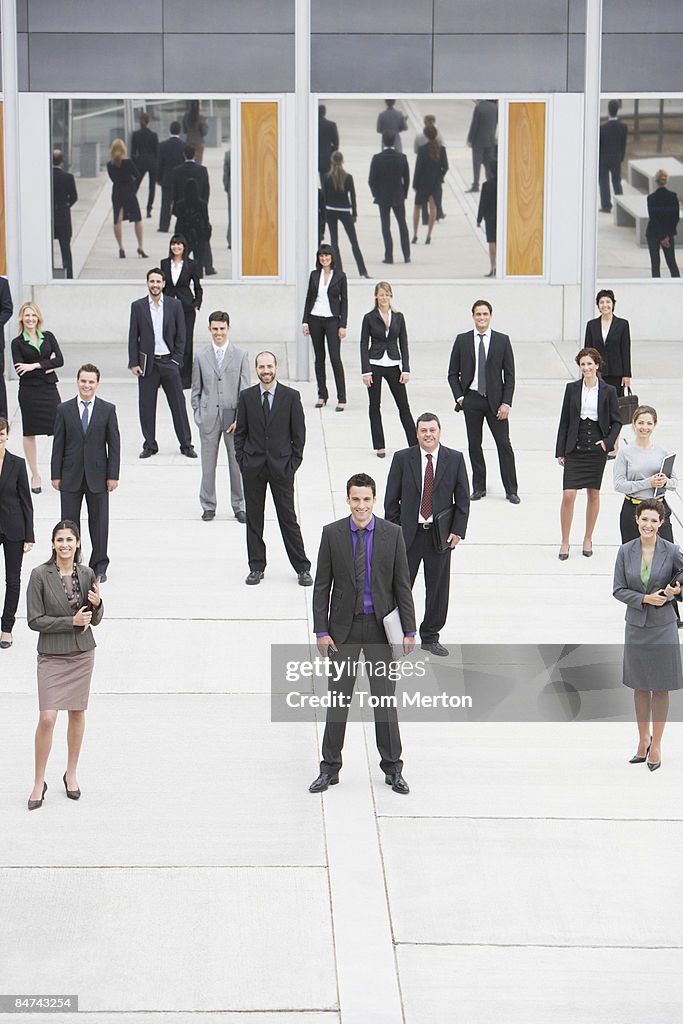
641	173
631	212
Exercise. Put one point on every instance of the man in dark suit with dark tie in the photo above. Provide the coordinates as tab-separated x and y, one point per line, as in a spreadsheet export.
156	343
269	448
612	150
86	455
64	195
389	182
6	310
361	576
171	153
482	378
425	480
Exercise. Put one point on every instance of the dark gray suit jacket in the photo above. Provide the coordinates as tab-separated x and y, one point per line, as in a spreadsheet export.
141	332
94	456
49	612
500	369
335	574
404	490
628	586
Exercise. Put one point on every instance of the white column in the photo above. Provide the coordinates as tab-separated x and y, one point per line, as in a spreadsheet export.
11	155
591	122
305	188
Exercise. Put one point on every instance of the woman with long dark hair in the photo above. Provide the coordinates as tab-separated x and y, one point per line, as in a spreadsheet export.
340	207
182	281
125	180
325	316
431	167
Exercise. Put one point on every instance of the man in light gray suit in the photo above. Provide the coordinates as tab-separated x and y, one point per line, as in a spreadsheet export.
219	374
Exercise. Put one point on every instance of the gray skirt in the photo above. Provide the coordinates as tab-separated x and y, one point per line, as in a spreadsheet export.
64	680
652	657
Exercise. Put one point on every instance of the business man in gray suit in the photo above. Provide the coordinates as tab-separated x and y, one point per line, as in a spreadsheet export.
361	576
219	374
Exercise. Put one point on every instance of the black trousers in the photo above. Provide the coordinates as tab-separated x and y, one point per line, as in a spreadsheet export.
166	206
392	375
605	171
366	634
14	555
334	218
3	389
437	567
188	356
629	530
616	383
399	211
482	155
477	409
64	239
322	327
98	521
282	490
166	374
148	167
656	247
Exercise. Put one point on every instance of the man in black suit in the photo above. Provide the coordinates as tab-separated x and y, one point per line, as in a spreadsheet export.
64	195
481	138
612	150
181	175
171	153
144	152
482	378
389	182
6	310
156	343
425	480
328	142
86	455
269	448
361	576
663	210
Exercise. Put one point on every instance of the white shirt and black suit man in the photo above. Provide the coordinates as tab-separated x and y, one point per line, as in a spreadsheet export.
219	375
269	448
156	344
481	375
361	576
86	456
425	480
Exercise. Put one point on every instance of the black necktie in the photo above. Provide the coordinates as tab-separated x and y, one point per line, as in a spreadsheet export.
481	372
359	567
266	405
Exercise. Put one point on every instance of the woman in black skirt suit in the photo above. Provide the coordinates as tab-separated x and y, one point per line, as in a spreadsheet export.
589	426
430	170
610	335
16	529
183	282
325	315
36	355
384	356
126	178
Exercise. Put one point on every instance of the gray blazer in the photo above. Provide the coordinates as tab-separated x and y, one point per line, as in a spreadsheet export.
49	612
214	390
667	561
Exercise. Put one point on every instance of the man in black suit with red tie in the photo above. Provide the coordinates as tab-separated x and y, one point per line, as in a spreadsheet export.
86	455
389	182
425	480
482	378
269	448
6	310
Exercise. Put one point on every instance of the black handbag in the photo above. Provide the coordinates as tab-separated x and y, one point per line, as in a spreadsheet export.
628	403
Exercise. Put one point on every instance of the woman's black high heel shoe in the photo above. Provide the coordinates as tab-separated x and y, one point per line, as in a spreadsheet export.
142	254
122	254
34	804
73	794
641	760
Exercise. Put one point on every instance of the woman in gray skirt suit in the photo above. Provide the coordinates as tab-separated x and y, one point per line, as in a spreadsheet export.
63	603
643	574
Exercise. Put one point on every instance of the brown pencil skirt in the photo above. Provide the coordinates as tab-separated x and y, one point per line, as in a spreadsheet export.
64	680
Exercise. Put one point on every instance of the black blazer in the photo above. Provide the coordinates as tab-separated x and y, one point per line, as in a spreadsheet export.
144	149
500	369
664	212
22	352
94	456
404	490
141	332
279	447
64	195
171	153
375	341
608	417
189	275
328	141
341	198
615	350
16	507
336	295
613	134
6	310
183	172
389	179
335	574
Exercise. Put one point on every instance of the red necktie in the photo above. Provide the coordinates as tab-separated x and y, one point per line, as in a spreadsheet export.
426	503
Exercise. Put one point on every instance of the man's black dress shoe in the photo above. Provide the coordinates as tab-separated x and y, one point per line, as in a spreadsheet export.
241	517
513	498
387	261
305	579
397	783
208	514
476	495
435	648
322	782
5	644
33	805
146	453
189	452
254	577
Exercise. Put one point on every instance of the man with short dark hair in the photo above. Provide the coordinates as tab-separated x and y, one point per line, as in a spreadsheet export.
156	343
86	456
361	577
425	481
170	155
191	170
64	195
612	150
389	182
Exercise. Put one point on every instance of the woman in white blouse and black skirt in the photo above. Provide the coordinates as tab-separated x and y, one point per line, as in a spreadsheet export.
589	426
325	316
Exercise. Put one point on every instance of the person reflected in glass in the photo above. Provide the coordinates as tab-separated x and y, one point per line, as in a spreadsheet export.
610	335
16	529
195	127
325	317
192	222
664	213
488	213
125	179
144	153
182	281
340	207
431	167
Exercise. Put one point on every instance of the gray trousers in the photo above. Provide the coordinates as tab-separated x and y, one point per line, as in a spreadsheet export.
210	443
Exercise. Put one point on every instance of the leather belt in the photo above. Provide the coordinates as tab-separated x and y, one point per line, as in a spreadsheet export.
637	501
425	526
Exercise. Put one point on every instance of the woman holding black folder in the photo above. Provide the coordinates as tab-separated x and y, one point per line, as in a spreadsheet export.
637	474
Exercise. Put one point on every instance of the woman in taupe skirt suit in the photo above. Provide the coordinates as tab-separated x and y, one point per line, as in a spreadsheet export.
63	603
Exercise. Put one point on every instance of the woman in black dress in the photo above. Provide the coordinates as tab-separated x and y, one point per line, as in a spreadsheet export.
36	355
126	178
589	426
610	335
384	356
430	170
16	529
182	282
